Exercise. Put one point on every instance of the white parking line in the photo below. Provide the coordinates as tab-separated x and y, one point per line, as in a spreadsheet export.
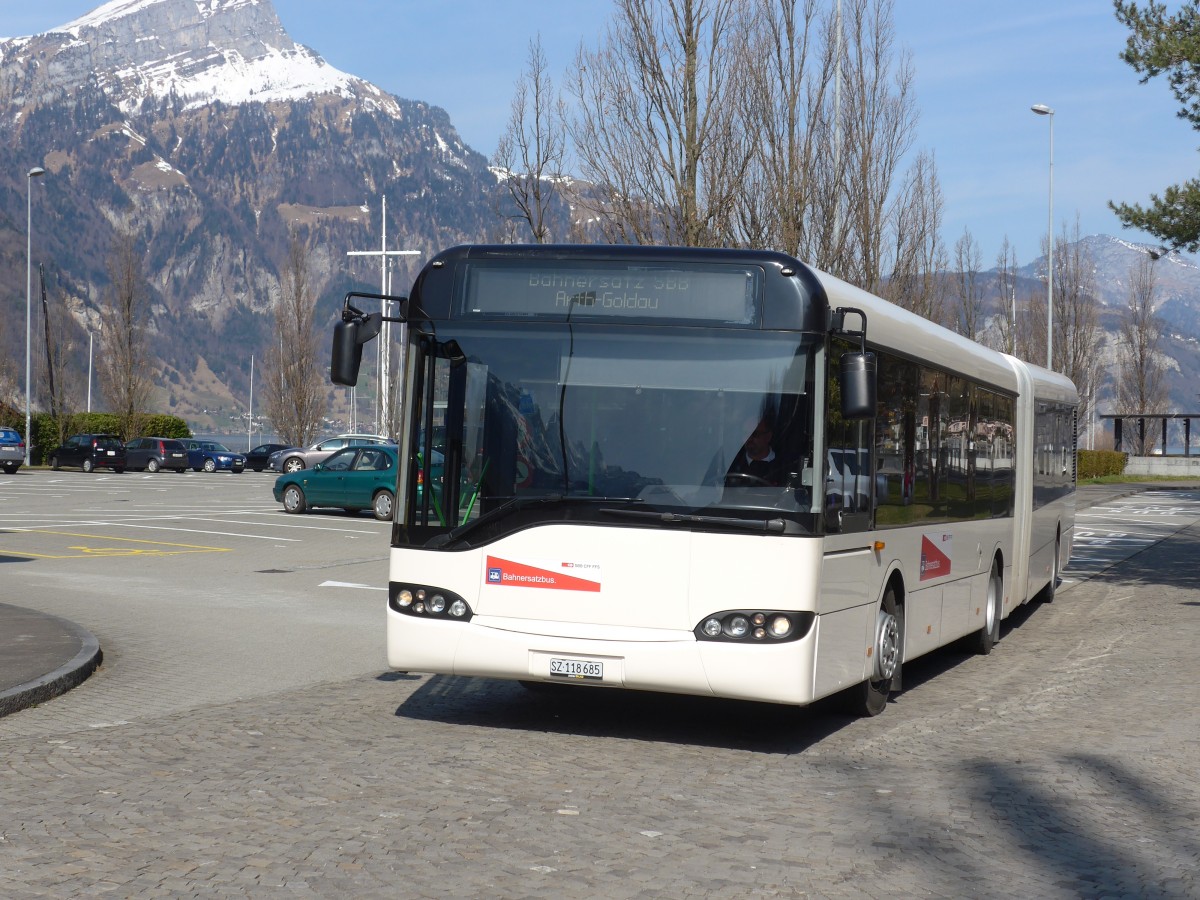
111	524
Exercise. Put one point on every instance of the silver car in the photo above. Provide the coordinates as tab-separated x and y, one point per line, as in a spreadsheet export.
293	459
12	450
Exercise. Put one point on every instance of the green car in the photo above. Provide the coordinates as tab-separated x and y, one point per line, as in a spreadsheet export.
354	478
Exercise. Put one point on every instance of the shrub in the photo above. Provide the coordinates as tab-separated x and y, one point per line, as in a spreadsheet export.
49	432
1099	463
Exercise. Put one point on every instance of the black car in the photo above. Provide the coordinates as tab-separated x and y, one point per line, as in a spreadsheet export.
257	458
154	453
90	452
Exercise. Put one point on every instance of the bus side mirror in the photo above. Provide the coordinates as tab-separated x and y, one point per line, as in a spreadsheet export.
349	335
347	354
858	385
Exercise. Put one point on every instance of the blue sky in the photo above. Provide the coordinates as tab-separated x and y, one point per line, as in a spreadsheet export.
979	67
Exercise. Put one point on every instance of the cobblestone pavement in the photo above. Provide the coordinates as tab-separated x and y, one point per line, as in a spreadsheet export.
1062	765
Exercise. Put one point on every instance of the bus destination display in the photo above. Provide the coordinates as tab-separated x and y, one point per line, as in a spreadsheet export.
709	294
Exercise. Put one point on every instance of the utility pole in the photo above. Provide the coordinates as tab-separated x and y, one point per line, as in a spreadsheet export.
383	400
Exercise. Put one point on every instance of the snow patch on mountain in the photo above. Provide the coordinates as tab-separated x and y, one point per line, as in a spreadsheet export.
229	77
114	9
198	51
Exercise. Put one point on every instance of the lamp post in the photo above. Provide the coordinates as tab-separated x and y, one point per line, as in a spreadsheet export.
1043	110
35	172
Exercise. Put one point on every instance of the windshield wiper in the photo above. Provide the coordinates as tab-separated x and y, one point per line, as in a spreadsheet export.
515	504
770	526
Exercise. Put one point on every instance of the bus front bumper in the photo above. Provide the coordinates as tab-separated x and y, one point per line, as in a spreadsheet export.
673	662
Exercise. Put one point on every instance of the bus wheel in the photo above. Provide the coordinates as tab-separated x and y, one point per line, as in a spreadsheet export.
987	637
1049	590
870	698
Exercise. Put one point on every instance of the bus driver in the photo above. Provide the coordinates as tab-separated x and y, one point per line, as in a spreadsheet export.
756	463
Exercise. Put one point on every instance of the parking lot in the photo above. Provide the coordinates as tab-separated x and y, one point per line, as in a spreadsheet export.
198	581
243	736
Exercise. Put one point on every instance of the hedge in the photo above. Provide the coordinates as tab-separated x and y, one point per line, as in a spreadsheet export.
1098	463
47	434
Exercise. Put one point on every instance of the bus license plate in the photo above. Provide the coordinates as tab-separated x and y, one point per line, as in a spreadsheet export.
577	668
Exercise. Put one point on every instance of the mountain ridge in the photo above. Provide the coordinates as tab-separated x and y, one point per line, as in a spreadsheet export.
215	181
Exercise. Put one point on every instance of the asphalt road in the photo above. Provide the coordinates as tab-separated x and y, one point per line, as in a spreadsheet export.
243	736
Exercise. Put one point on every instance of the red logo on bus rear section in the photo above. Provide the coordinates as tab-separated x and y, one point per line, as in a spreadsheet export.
507	573
935	555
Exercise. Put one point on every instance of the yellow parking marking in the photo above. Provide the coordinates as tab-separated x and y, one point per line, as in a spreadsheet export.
114	546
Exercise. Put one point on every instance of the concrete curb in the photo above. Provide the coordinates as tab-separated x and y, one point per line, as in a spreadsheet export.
69	675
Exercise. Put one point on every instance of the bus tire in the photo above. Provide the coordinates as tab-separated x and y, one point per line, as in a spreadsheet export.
871	696
989	635
1046	594
1051	589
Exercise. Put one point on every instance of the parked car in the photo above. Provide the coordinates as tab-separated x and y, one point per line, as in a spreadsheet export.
154	453
353	478
210	456
90	452
258	458
12	450
293	459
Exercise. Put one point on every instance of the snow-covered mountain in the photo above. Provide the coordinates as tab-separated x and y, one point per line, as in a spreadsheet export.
202	124
200	51
1176	300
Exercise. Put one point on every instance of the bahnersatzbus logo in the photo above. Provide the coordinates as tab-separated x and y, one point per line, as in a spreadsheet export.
543	573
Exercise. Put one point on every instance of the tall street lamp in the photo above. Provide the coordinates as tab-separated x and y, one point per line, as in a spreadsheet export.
35	172
1043	110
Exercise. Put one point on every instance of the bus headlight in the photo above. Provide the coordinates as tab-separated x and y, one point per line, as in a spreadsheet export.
428	602
737	626
764	626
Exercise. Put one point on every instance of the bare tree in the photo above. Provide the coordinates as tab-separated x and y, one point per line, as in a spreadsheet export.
1031	324
60	381
9	384
969	318
880	119
1077	333
918	256
1140	374
656	128
294	395
530	157
123	370
1001	334
791	191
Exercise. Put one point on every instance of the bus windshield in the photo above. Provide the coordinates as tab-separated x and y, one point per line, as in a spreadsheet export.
691	421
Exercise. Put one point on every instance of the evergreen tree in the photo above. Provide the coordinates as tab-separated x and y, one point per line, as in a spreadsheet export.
1160	44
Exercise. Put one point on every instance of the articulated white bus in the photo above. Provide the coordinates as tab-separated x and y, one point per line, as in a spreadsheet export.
711	472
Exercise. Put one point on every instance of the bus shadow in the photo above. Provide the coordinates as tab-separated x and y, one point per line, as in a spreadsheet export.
636	715
644	715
